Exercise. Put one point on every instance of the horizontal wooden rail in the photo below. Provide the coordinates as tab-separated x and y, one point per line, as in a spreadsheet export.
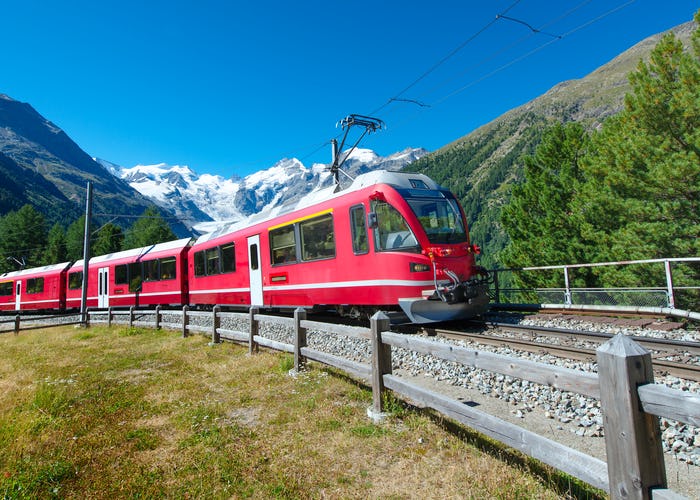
564	379
580	465
664	401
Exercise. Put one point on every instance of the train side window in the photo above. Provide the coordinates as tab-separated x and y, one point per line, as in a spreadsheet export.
121	276
358	227
75	280
317	238
6	288
228	258
199	269
283	245
392	231
135	277
35	285
213	261
150	270
168	268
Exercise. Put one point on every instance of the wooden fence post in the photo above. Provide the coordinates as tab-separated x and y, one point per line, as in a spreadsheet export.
299	338
632	438
185	319
158	317
254	326
216	324
381	365
17	324
109	316
131	316
87	318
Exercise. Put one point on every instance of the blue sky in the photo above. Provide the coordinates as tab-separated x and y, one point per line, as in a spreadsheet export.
231	87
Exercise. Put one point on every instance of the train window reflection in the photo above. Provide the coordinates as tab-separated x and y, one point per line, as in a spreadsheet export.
135	277
75	280
168	268
228	258
441	219
359	230
35	285
120	275
216	260
392	231
213	261
283	245
317	238
150	270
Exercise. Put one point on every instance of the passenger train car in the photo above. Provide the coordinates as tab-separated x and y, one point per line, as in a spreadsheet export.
153	275
38	288
389	241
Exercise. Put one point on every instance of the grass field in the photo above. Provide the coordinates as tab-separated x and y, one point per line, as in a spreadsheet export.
134	413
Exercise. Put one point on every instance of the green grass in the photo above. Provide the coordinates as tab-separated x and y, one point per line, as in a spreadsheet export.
138	413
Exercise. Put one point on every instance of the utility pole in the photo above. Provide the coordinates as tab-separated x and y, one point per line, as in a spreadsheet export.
86	254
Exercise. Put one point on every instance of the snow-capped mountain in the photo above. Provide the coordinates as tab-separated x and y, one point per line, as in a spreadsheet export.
205	202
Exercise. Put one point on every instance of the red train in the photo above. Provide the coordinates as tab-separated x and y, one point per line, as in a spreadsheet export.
391	240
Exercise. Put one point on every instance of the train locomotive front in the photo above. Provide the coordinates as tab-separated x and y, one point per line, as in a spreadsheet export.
418	217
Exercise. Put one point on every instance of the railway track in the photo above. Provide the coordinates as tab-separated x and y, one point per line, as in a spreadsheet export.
673	357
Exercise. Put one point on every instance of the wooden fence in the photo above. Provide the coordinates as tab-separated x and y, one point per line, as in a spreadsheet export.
630	401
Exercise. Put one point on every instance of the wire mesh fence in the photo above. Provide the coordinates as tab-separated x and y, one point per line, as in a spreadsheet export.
660	284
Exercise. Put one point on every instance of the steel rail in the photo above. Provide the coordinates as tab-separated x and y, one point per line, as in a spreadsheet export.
651	343
661	366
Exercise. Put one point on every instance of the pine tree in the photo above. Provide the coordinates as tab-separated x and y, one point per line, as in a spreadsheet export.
22	239
642	198
75	238
539	219
109	239
56	246
149	229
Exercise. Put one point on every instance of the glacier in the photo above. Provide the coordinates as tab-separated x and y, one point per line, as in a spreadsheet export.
207	202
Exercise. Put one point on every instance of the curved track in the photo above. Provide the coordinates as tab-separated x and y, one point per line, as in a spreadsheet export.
677	358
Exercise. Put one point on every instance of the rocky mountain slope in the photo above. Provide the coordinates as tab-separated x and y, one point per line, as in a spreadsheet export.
41	165
206	201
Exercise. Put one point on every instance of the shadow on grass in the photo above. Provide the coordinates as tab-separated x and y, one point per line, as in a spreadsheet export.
563	484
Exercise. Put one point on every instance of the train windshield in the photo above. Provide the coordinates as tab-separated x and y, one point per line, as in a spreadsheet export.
441	219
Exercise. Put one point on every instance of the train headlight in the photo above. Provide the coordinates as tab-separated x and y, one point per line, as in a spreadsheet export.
419	268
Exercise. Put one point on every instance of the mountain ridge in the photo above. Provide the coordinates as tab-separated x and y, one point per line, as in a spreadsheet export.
52	171
208	201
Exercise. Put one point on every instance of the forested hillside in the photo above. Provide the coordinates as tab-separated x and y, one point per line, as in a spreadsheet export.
629	190
42	166
482	167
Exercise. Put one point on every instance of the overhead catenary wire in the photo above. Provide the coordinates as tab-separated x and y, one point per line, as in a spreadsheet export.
426	105
536	50
532	28
446	58
527	54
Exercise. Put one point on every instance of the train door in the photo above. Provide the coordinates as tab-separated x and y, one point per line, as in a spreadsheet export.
103	287
255	271
18	294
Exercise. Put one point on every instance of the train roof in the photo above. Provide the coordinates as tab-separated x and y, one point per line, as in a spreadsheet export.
36	270
139	252
400	180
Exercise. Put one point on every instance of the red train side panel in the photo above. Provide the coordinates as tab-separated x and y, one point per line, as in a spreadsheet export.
153	275
34	289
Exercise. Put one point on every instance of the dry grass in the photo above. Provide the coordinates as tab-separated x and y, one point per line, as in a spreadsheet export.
105	413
